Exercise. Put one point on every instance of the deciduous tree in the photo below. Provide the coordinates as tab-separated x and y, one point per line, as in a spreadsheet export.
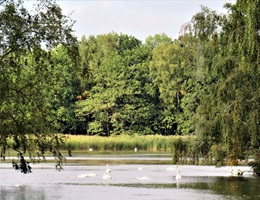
26	39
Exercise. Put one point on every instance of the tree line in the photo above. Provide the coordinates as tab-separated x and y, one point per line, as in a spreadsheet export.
204	83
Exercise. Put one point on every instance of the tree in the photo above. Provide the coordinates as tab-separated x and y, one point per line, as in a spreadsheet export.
238	92
64	86
26	39
136	109
229	46
157	39
92	53
119	94
167	74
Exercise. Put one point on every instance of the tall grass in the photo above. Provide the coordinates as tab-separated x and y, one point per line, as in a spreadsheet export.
122	142
184	149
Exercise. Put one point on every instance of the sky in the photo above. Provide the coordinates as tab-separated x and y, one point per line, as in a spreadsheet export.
138	18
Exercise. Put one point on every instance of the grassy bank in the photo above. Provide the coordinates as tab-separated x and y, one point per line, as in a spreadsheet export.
183	149
153	143
124	143
180	147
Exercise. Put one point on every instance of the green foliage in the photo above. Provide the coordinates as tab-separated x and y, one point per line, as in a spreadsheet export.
158	39
64	87
256	167
204	84
120	95
225	112
27	39
219	154
179	148
256	163
23	166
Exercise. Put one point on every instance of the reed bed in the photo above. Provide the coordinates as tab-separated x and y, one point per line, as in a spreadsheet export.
122	143
181	147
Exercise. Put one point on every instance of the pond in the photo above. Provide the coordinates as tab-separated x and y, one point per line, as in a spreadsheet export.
196	183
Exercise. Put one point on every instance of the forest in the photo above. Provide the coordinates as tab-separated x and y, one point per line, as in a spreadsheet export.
205	83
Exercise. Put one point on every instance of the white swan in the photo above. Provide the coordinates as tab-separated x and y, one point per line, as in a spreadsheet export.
237	172
172	168
178	175
144	178
108	170
91	175
18	185
86	175
82	175
140	168
106	176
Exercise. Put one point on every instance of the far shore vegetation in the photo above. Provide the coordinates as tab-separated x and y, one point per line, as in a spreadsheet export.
196	96
182	149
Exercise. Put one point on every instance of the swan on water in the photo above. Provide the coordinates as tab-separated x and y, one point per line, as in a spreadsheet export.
172	168
18	185
108	170
83	175
86	175
140	168
106	176
144	178
91	175
178	175
237	172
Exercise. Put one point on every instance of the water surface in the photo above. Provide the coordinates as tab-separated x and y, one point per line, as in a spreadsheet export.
197	182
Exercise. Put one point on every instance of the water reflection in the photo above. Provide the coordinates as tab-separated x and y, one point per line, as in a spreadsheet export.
21	193
237	186
197	182
104	191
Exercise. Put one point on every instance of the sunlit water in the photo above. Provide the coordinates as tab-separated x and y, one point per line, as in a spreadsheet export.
197	182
